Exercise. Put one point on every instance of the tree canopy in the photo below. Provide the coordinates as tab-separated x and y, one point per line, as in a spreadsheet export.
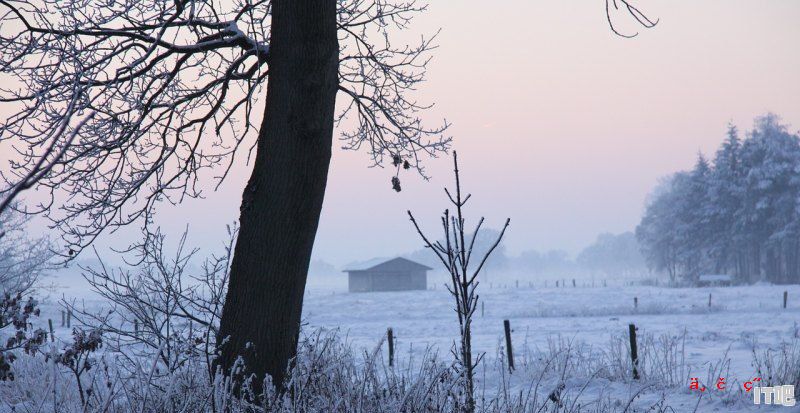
738	214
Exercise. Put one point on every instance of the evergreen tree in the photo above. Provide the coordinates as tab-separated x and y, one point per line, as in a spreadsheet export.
740	214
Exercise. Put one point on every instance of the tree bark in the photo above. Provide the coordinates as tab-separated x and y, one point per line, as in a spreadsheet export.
282	201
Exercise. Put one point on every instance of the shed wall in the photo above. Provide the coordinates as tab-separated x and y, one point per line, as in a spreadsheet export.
362	281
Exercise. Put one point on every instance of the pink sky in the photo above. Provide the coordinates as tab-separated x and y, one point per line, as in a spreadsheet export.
563	126
559	124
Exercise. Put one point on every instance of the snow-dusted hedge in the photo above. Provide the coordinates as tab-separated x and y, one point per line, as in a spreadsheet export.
330	376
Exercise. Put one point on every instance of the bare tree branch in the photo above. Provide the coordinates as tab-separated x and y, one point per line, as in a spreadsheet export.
631	10
42	167
173	87
455	255
159	305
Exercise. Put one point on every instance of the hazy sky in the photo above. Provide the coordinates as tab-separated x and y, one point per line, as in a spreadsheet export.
559	124
563	126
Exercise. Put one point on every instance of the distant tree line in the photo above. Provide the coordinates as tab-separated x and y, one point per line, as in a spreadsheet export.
739	214
614	255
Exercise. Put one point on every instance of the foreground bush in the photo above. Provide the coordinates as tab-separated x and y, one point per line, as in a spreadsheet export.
330	376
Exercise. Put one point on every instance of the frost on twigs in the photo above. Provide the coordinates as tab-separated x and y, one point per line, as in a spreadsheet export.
455	253
118	105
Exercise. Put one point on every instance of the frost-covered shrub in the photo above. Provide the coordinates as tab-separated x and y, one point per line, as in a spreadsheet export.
778	365
23	260
77	357
661	359
328	375
15	315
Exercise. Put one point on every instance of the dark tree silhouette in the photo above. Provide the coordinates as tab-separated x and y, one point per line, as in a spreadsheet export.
164	80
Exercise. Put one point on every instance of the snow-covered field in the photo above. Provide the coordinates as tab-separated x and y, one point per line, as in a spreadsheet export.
739	319
586	314
737	316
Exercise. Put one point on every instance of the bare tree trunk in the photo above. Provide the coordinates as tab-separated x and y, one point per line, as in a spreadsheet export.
282	202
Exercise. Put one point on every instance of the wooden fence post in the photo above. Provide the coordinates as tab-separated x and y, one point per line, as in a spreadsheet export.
136	327
63	318
52	334
785	298
482	309
634	352
69	318
709	300
390	337
573	283
509	350
635	303
517	284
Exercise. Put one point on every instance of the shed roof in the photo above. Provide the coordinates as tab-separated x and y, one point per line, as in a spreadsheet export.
382	264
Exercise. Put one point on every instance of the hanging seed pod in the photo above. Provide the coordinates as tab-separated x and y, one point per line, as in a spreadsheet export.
396	183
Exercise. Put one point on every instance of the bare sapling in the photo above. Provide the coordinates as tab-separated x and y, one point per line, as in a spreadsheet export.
455	253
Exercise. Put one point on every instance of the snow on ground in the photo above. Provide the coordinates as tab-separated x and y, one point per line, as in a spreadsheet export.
590	315
737	316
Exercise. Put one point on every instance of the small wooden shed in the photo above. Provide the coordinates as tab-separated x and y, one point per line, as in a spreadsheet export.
397	274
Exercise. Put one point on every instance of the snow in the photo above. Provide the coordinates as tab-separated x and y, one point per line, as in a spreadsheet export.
426	318
738	316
